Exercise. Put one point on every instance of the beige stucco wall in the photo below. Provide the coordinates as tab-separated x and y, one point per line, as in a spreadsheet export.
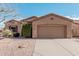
75	30
24	22
56	20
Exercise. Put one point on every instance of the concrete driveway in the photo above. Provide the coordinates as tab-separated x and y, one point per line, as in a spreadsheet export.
56	47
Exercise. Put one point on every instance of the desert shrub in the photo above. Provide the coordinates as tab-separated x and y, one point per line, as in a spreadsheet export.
7	33
26	30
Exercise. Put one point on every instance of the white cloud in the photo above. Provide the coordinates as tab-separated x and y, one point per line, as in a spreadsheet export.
73	17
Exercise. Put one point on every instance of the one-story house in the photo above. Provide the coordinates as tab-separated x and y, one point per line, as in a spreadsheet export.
48	26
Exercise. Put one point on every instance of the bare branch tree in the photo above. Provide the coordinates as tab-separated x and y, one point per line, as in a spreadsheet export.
6	12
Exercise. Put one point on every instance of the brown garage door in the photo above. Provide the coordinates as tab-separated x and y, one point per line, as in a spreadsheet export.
51	31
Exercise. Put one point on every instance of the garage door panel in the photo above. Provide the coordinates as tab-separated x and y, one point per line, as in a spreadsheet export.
51	31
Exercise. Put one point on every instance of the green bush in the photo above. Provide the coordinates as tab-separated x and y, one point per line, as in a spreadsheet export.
26	30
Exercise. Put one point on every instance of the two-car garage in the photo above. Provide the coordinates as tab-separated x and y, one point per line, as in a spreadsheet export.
51	31
52	26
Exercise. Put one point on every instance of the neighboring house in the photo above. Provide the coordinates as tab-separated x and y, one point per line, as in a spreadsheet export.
48	26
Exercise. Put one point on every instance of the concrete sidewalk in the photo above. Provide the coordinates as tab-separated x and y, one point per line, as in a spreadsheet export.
56	47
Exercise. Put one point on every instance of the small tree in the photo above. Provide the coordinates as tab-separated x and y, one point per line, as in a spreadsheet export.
6	13
26	30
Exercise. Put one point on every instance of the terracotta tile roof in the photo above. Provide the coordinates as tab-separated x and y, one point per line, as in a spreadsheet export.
30	19
34	18
13	20
76	22
56	16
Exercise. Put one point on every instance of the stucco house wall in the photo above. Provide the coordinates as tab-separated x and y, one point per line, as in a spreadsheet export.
75	30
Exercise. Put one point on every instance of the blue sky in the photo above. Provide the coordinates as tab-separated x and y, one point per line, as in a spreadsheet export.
38	9
27	10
